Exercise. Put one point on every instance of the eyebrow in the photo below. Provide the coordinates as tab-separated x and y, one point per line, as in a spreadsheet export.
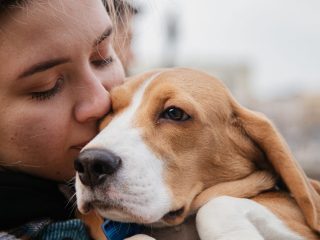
43	66
103	36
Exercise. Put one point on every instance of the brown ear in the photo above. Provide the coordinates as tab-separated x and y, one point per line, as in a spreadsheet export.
262	132
93	222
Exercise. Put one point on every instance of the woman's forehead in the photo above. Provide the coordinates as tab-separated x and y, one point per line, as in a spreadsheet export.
45	16
49	28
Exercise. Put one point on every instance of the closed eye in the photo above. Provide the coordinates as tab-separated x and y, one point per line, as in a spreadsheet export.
48	94
102	62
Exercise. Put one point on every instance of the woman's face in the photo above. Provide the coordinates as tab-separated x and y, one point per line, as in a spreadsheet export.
57	66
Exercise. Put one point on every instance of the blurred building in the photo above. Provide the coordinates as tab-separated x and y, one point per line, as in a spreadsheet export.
269	58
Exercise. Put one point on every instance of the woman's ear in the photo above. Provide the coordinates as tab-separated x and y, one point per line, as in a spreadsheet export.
262	132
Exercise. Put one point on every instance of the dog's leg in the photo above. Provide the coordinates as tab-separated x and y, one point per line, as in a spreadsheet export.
229	218
250	186
140	237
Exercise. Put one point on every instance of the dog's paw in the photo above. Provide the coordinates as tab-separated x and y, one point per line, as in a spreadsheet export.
140	237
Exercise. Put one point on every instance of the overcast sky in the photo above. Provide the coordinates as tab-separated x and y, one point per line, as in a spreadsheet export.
278	39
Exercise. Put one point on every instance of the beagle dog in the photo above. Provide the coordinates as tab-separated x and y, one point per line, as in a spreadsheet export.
178	145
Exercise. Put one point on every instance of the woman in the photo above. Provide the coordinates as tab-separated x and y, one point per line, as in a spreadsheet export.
57	68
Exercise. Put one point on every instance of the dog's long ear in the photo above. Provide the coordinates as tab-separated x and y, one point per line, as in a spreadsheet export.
262	132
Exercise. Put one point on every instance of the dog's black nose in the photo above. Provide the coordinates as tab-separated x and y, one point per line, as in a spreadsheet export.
94	165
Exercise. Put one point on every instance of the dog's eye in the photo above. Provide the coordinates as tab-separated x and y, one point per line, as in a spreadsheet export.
175	114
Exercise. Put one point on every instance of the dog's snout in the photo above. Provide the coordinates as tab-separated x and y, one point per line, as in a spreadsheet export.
94	165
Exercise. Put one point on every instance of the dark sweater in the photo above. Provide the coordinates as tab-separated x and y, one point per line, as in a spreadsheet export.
25	198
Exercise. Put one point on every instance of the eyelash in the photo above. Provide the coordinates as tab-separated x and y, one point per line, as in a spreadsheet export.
103	63
46	95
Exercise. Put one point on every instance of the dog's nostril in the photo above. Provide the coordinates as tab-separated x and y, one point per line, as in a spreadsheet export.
78	166
95	165
98	168
106	165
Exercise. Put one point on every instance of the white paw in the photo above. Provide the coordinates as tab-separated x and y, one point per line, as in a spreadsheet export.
140	237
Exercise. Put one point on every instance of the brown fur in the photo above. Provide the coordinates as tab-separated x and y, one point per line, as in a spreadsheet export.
93	222
224	149
232	142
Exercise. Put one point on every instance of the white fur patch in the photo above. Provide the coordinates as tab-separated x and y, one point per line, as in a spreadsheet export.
226	218
138	185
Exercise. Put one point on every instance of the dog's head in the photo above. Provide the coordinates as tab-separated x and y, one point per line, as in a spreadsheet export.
172	134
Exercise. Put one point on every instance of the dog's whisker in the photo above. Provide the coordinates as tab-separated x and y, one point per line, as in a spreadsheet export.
71	182
73	209
72	200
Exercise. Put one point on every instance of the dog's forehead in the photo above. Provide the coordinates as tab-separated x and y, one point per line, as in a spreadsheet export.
196	89
178	79
191	82
123	95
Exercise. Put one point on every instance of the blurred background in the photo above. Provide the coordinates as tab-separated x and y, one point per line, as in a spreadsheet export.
266	52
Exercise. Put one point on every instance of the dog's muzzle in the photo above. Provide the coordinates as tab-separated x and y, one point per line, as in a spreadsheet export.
95	165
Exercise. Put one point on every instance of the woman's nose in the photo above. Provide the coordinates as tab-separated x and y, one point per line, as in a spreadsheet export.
93	103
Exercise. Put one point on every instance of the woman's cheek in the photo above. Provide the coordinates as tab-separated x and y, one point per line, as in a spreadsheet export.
42	149
37	132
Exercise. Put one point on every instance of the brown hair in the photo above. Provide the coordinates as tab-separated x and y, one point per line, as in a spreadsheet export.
6	5
117	9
